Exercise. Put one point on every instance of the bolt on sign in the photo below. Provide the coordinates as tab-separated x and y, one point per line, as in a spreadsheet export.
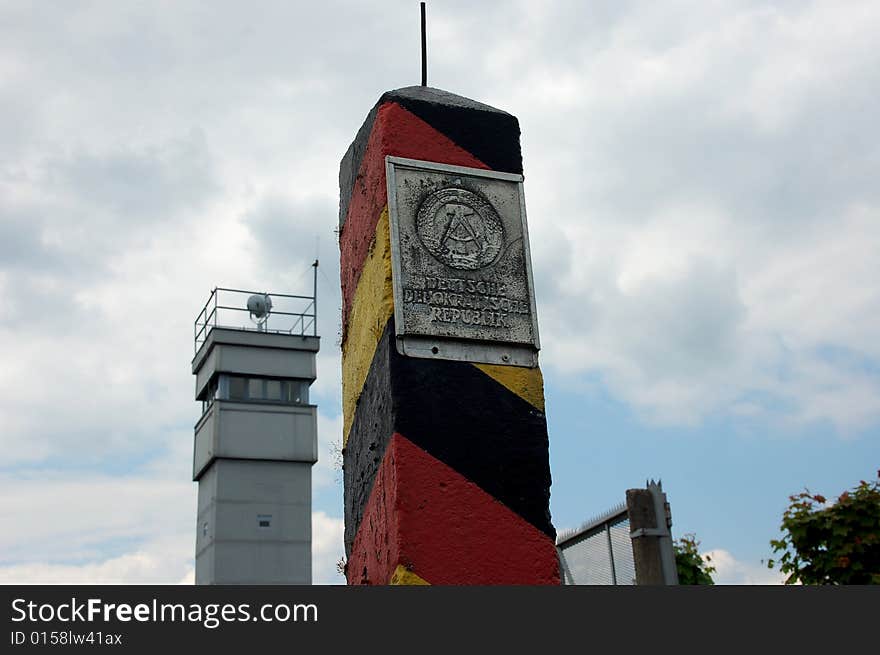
460	259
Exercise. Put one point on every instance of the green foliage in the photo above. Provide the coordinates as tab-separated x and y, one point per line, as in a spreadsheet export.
693	568
831	543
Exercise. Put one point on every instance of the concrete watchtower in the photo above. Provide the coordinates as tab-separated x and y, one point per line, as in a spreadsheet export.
256	440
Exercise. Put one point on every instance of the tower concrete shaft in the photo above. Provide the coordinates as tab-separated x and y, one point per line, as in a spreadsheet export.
255	445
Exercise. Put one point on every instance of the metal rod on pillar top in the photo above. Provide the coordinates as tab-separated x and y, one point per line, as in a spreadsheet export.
424	48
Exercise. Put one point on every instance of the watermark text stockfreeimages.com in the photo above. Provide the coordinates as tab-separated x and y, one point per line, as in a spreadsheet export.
209	615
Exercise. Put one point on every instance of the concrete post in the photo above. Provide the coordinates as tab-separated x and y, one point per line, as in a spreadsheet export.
650	521
446	469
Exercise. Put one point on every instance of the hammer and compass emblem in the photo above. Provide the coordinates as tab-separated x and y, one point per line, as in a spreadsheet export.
460	228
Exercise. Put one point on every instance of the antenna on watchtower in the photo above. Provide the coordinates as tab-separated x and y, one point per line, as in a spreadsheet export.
315	297
424	48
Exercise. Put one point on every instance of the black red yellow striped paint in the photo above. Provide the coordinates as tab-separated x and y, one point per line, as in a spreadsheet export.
461	416
432	522
477	429
487	133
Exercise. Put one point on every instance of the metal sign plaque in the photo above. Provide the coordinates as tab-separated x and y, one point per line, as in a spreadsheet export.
461	269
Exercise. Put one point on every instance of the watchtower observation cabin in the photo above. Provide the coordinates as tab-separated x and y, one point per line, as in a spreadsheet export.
256	440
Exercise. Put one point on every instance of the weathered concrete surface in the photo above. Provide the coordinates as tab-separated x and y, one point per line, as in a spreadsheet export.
478	430
395	132
372	307
426	517
527	383
459	415
489	134
402	576
646	549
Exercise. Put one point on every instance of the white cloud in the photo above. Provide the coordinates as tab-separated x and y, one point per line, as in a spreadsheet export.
158	562
668	156
73	516
701	208
169	560
731	571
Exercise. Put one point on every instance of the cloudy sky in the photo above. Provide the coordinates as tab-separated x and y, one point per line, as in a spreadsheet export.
704	208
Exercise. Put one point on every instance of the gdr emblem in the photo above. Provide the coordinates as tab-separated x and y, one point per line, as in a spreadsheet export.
460	228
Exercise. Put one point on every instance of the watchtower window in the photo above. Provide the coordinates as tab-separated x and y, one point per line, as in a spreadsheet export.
296	392
238	388
267	390
273	390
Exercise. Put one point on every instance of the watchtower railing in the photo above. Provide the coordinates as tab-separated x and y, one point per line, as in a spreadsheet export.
226	307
